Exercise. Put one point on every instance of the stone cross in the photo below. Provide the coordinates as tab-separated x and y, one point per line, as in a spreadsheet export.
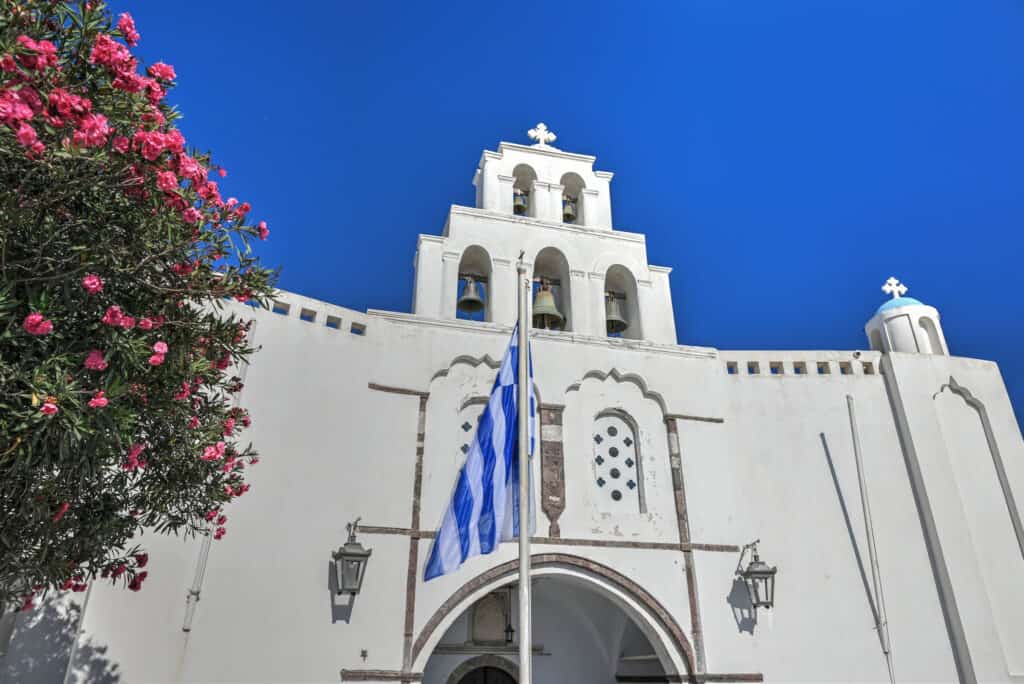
542	135
894	287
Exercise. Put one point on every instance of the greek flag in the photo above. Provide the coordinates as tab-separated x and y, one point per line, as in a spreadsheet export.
484	509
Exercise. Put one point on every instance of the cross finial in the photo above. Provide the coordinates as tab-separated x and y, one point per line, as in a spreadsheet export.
542	135
894	287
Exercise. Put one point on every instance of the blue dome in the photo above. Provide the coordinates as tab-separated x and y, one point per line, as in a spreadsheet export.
898	302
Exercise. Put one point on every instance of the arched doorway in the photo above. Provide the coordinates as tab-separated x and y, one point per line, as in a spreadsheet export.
589	624
487	675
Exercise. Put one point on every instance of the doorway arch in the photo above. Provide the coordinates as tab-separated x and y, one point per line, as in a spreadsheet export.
672	648
463	674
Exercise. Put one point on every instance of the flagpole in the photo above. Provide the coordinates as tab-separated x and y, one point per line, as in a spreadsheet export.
525	616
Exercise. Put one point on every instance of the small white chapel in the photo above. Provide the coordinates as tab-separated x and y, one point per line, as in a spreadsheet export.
703	515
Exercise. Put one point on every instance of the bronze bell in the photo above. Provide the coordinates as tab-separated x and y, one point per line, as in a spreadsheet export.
568	209
546	315
519	203
470	301
615	321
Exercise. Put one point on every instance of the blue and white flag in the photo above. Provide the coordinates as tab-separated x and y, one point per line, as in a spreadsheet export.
484	509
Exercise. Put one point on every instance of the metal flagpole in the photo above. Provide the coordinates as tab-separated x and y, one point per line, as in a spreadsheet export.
525	616
882	621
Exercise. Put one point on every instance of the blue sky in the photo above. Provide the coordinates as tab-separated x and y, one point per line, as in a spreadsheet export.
783	157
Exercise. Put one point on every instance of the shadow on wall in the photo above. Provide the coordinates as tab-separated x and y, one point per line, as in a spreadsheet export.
42	642
743	611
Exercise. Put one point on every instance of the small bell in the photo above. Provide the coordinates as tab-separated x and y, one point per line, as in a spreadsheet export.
615	321
470	302
519	202
546	315
568	209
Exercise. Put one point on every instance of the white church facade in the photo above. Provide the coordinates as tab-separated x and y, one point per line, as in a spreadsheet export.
657	464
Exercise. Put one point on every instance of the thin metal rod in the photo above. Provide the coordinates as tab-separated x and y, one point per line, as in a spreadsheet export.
78	635
881	621
197	582
525	617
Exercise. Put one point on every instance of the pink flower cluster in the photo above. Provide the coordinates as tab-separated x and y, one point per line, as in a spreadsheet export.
49	407
159	352
37	324
93	131
132	461
92	283
99	400
162	72
214	452
45	54
95	361
116	318
126	25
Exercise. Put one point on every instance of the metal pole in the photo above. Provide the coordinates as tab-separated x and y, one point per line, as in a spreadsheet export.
525	617
882	624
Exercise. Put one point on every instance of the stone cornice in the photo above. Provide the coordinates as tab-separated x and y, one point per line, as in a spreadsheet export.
546	151
604	233
552	335
659	269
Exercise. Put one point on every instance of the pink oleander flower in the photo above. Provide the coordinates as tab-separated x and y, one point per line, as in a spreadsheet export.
99	400
121	144
264	231
92	283
162	72
141	559
95	361
113	316
210	515
183	393
193	422
93	131
222	172
127	322
219	533
49	407
26	135
160	347
191	215
221	520
146	324
126	25
214	452
36	324
156	359
111	54
136	583
229	427
167	181
61	510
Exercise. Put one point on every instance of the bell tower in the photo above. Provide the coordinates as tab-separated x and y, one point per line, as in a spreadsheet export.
553	206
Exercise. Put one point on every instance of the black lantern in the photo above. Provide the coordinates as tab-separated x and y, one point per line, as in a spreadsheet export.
759	578
510	633
350	562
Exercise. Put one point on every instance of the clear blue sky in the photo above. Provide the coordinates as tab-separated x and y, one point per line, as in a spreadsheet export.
783	157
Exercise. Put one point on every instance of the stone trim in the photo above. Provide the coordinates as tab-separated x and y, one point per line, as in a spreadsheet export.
702	419
380	675
497	662
414	542
510	569
398	390
552	467
701	677
683	520
570	541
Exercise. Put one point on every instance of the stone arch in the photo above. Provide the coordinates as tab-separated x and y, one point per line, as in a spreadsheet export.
572	194
620	280
522	186
475	264
619	376
497	662
670	642
551	263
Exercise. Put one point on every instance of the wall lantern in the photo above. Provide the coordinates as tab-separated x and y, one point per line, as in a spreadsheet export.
510	634
350	562
758	577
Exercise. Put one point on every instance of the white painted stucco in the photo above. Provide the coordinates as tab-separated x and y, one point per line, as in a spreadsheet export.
765	454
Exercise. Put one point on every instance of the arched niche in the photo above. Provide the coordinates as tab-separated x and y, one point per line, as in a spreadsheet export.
522	189
552	265
572	198
932	339
475	265
619	283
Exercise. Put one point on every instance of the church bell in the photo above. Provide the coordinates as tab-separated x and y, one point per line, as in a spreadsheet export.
470	301
615	321
568	209
519	203
546	315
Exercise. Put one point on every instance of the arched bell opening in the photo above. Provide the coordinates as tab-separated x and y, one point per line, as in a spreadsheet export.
552	303
932	342
622	308
582	624
522	188
876	340
572	198
474	291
